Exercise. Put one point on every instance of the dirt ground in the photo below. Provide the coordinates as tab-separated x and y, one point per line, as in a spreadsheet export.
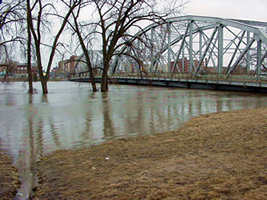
9	181
214	156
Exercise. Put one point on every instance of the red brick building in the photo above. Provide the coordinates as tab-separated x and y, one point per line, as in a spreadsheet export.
21	69
68	65
18	69
183	65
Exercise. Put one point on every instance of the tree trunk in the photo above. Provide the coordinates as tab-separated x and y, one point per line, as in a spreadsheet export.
104	82
29	65
44	85
92	79
88	62
30	81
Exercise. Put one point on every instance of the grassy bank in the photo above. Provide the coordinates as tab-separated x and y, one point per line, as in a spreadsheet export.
9	181
215	156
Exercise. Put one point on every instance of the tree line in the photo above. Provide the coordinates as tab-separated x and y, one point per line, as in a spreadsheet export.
35	25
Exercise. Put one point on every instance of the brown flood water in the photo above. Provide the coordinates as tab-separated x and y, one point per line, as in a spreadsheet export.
71	116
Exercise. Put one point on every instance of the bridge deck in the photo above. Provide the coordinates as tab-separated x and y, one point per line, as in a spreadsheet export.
249	85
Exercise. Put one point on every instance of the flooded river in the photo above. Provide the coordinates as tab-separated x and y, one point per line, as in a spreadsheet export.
72	116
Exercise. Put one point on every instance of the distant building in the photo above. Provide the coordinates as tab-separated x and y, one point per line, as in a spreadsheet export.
18	70
21	70
183	65
3	69
66	67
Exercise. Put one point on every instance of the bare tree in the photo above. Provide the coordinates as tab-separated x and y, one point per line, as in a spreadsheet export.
12	34
38	13
29	51
78	28
11	29
117	23
11	26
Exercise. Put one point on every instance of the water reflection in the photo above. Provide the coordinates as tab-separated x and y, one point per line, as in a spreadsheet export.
27	155
108	127
72	116
54	134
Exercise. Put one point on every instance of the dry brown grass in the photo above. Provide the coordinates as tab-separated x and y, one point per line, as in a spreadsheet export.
215	156
9	181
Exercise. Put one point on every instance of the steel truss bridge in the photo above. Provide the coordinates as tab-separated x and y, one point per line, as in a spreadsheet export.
193	49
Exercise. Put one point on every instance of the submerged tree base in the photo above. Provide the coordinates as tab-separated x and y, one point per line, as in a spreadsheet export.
9	180
215	156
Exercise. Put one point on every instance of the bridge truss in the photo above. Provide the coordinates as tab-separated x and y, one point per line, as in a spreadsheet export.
197	46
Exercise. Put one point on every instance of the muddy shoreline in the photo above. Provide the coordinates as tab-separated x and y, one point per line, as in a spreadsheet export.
9	179
214	156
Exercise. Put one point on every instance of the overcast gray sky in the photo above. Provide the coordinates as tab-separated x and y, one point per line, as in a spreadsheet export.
238	9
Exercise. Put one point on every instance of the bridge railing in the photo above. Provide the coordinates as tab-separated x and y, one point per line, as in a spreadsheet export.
189	76
211	77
